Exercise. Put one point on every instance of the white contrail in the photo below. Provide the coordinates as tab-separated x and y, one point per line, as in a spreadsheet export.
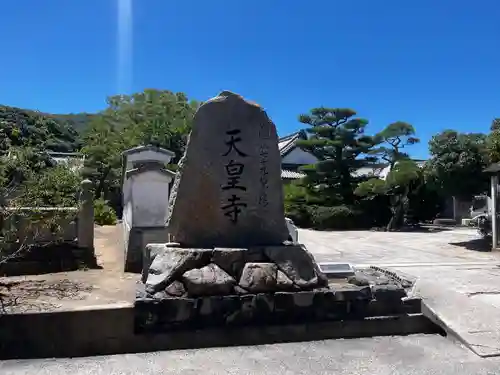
125	46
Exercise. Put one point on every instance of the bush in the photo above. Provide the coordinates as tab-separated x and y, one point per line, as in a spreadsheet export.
296	205
376	211
425	204
336	217
103	213
299	214
53	187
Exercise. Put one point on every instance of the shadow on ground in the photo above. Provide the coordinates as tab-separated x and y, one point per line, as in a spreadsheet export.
478	244
50	259
426	229
416	229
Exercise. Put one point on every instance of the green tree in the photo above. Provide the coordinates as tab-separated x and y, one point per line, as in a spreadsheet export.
403	173
161	118
397	185
394	139
28	178
495	124
457	163
338	140
493	141
56	186
24	128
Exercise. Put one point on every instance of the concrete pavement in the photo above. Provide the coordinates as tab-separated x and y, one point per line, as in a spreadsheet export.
409	355
367	247
459	286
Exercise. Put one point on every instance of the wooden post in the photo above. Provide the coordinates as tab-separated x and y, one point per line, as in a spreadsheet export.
494	223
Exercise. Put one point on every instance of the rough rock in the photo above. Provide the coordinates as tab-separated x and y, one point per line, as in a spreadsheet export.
239	290
219	309
230	260
168	264
178	309
259	277
283	282
161	295
388	293
148	254
297	264
176	289
229	179
359	279
140	292
368	276
207	281
352	293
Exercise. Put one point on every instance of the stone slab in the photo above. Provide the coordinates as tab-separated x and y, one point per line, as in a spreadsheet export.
336	270
475	323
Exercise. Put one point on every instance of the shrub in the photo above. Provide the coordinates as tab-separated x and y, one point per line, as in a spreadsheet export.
299	214
336	217
54	187
376	211
425	204
103	213
296	205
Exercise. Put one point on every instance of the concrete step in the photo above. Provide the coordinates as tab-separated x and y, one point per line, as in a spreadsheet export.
110	330
471	321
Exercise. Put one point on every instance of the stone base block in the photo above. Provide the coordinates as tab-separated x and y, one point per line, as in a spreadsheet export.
136	240
163	313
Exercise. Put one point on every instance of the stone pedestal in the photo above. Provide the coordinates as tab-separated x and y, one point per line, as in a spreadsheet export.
190	288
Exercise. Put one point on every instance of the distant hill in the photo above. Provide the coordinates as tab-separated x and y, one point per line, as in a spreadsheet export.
79	121
54	132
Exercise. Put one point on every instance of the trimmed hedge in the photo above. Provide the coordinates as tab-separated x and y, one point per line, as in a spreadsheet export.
337	217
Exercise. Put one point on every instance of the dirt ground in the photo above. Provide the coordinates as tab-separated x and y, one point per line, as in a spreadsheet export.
67	290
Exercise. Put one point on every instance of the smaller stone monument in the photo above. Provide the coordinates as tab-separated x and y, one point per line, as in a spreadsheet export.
145	193
230	262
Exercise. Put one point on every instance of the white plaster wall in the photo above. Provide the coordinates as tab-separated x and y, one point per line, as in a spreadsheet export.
127	211
127	222
149	197
299	156
146	155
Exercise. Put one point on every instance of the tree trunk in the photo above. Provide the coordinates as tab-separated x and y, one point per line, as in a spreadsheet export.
398	211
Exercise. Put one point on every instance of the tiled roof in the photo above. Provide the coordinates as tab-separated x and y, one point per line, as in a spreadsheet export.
375	171
287	143
291	175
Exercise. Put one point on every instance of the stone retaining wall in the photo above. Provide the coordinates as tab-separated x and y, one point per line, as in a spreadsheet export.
109	330
72	244
349	302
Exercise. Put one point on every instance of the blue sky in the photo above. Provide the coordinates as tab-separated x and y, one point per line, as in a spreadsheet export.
434	64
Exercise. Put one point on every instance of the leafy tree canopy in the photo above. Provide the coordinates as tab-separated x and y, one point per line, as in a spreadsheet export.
493	141
457	163
161	118
24	128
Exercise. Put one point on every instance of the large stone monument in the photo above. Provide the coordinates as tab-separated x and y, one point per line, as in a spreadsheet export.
230	179
230	261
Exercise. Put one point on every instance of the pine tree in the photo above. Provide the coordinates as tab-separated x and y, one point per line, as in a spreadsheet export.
337	138
404	172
